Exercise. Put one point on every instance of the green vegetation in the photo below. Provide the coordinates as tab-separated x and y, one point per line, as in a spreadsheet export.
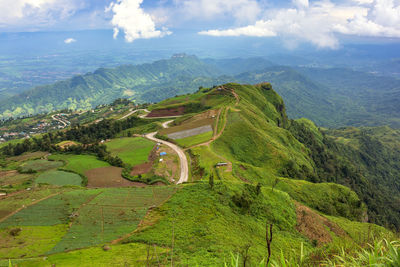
152	83
36	240
59	178
132	254
40	165
194	140
132	151
79	163
311	188
94	217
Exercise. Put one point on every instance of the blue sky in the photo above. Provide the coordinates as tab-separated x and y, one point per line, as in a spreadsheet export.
319	23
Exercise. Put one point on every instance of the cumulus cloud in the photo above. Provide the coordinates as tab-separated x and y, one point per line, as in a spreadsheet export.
36	12
69	40
133	21
241	10
319	22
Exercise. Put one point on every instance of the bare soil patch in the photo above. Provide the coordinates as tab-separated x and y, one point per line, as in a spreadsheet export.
147	166
108	177
167	112
314	226
67	144
4	174
30	155
142	168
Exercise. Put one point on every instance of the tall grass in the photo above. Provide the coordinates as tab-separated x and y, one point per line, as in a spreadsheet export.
380	253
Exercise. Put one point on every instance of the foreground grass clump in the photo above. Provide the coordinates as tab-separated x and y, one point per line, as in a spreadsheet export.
132	151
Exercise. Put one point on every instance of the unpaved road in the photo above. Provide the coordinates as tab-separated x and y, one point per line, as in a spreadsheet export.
133	112
182	156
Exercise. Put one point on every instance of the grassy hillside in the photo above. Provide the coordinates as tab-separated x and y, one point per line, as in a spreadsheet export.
279	173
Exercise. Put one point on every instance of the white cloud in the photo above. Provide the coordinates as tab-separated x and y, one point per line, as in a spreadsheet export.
134	21
36	13
319	22
241	10
69	40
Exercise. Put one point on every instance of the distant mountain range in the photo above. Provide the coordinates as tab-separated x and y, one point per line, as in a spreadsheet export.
330	97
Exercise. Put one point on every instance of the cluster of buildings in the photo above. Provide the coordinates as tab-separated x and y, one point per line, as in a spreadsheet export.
13	135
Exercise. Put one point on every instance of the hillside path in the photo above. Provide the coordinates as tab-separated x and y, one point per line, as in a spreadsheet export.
182	156
133	112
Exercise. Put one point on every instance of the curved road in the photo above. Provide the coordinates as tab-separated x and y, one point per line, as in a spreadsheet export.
133	112
182	156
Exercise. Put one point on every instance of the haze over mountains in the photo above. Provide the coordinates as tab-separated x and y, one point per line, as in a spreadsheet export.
329	96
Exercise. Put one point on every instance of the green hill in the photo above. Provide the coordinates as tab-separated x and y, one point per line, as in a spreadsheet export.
144	83
318	191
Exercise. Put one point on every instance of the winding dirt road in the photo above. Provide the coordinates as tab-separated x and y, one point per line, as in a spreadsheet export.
133	112
182	156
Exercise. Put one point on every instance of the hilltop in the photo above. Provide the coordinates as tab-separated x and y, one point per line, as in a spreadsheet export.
250	166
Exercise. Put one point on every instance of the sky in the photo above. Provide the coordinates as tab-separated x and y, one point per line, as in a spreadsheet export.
320	23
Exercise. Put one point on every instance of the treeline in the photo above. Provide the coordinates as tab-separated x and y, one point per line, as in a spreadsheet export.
88	136
363	171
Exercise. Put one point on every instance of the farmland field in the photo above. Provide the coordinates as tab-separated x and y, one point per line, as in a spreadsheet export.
133	151
79	163
95	216
107	177
40	165
16	201
36	240
12	180
29	155
59	178
194	140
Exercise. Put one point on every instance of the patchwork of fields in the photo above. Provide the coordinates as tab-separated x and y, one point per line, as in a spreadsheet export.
77	219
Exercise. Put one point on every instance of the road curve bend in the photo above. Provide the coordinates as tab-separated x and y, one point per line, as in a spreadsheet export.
182	156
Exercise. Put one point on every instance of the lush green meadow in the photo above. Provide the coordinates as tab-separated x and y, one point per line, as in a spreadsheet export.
59	178
79	163
132	151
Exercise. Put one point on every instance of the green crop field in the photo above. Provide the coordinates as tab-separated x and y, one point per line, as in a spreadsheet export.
194	140
79	163
132	151
59	178
14	202
112	214
40	165
107	214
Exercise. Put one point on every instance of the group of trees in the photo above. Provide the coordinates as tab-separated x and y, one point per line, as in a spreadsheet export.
88	136
366	171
